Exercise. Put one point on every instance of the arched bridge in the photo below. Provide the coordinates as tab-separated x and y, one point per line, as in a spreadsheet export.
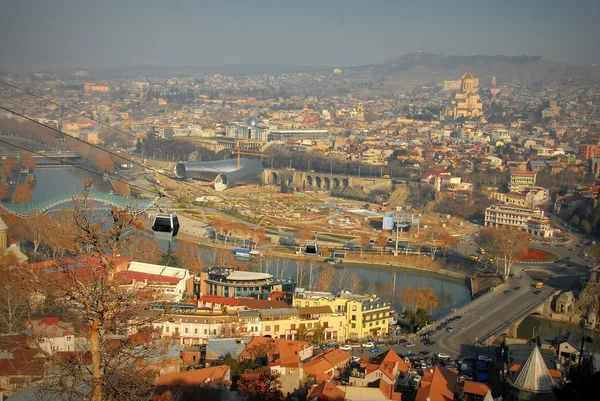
37	207
324	181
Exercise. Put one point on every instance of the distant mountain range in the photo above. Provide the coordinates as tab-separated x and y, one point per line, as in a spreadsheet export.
423	68
401	74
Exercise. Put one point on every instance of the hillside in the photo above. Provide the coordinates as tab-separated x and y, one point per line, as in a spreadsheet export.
415	69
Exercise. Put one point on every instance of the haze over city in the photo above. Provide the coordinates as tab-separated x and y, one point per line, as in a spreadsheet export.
40	33
299	200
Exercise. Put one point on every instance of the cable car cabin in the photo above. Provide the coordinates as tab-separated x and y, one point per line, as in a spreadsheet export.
311	248
165	226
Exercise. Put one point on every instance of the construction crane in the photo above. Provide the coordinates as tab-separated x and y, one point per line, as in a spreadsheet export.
240	153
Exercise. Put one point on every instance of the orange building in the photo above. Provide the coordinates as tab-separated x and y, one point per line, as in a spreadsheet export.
588	151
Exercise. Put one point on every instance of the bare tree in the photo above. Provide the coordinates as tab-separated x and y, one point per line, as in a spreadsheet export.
118	329
504	242
15	301
326	280
354	283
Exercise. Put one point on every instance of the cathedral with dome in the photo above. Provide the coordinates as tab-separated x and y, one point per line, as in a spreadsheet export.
466	102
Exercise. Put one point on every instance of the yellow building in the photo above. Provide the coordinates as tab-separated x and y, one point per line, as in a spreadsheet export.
366	316
466	103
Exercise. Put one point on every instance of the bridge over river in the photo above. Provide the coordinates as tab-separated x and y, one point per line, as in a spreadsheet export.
42	205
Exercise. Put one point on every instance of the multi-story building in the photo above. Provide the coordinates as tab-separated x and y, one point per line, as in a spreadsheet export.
53	335
257	132
366	315
531	220
586	152
529	198
231	283
332	323
521	180
285	134
197	329
95	87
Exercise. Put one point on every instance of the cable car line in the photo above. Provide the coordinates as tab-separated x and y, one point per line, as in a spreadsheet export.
76	166
164	226
99	148
79	112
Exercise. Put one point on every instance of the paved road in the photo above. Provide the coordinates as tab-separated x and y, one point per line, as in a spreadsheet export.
489	315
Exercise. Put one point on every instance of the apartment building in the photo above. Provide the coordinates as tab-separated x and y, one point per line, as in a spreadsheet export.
367	316
531	220
586	152
521	180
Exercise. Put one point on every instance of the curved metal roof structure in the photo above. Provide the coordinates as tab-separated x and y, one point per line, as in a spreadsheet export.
223	173
42	205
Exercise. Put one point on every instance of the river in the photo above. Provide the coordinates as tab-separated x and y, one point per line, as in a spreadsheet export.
549	329
451	292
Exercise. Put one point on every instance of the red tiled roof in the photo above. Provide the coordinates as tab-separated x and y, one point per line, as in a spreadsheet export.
471	387
327	392
128	276
438	385
215	374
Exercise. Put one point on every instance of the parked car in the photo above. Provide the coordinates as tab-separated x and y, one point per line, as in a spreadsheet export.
376	350
443	356
408	345
346	347
356	359
368	345
450	329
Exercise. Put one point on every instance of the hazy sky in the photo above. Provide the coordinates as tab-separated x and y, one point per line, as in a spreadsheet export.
325	32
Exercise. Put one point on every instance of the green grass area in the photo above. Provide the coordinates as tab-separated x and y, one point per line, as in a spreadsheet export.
594	251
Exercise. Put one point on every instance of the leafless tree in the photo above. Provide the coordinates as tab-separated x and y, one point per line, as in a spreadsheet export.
122	348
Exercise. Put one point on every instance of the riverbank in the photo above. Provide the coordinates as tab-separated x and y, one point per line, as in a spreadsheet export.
476	282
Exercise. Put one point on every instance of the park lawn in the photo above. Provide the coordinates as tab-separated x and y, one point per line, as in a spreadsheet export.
594	251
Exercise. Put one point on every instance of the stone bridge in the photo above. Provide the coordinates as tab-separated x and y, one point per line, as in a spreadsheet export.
324	181
543	307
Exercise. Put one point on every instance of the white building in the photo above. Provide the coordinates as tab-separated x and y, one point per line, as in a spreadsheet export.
531	220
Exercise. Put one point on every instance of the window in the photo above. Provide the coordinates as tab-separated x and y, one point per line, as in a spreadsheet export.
205	332
309	326
306	303
69	338
276	327
354	308
41	340
293	327
325	324
176	330
353	317
267	328
353	325
195	331
167	329
315	303
186	330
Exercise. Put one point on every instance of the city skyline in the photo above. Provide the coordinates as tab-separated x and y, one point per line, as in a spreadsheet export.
70	33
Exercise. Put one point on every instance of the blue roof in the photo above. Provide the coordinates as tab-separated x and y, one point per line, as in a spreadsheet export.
240	250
